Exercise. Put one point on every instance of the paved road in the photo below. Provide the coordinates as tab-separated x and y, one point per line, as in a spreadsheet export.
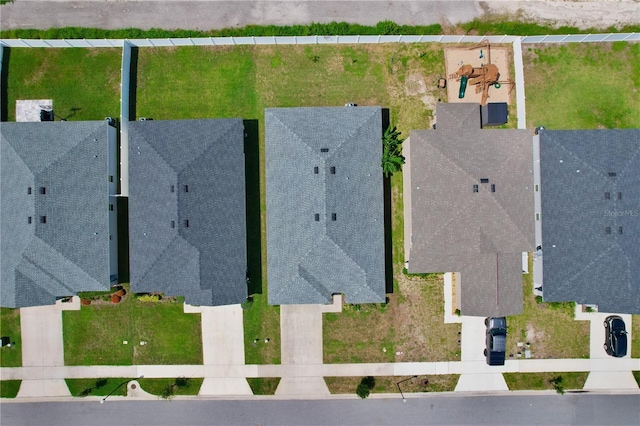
206	15
430	409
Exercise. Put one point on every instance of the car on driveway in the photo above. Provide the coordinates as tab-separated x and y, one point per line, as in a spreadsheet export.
496	340
615	336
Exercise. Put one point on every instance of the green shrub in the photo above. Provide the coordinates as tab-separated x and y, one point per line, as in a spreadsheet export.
363	390
152	298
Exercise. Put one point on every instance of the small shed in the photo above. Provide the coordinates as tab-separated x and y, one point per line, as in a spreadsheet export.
494	114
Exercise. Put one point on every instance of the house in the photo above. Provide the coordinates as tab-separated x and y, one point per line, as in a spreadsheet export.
187	210
590	217
471	201
59	213
325	205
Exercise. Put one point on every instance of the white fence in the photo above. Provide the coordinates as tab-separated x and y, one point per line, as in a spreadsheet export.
365	39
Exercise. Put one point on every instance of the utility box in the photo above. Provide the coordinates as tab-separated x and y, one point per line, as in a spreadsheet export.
494	114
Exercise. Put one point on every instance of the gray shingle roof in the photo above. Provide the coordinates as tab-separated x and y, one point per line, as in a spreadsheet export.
310	260
581	261
205	262
481	235
70	252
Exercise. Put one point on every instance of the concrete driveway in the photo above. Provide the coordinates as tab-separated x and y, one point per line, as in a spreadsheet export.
42	348
301	336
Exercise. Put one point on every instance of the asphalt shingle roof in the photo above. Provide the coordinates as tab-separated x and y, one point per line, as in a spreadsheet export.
70	252
582	262
188	170
480	234
309	259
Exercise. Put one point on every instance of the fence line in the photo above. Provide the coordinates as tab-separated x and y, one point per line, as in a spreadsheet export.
355	39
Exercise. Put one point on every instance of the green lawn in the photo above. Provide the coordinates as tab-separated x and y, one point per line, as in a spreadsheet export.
98	387
180	386
635	336
389	384
583	85
10	326
94	335
636	375
549	328
9	388
83	83
540	381
264	385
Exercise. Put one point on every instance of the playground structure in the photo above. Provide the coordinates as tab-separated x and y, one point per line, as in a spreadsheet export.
482	77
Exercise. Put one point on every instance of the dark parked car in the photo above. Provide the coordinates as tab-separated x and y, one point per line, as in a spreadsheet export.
496	340
615	336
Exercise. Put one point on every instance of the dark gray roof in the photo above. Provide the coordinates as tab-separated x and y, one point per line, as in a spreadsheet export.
581	261
310	260
205	262
70	252
481	235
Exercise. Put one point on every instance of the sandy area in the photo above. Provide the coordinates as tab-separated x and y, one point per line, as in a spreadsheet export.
579	13
455	57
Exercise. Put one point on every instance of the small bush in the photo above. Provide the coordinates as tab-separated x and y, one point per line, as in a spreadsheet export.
115	298
121	292
168	391
556	382
151	298
363	391
85	302
182	382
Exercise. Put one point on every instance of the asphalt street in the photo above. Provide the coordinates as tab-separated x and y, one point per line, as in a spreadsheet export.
429	409
204	15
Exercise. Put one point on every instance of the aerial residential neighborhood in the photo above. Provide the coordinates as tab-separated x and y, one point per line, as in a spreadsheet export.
329	213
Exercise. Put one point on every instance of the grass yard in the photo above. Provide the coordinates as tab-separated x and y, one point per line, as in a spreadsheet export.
180	386
9	388
94	335
199	82
83	83
540	381
583	85
264	385
388	384
636	375
635	336
10	326
98	387
549	328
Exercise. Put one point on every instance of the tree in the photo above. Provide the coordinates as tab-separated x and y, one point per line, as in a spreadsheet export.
556	382
364	388
392	159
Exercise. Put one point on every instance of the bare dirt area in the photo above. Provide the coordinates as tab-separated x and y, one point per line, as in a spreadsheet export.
455	57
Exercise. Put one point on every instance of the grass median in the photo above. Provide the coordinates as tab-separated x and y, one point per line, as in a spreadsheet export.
11	356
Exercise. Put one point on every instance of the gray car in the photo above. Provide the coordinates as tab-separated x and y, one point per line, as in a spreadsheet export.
496	340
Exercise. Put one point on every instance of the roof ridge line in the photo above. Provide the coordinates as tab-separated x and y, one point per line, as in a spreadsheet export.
150	145
210	146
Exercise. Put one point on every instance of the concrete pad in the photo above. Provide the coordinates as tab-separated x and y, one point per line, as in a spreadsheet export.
481	382
610	380
41	328
298	386
301	334
225	386
135	391
596	342
335	306
222	335
473	338
43	388
72	305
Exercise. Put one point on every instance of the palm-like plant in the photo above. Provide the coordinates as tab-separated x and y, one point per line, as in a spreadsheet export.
392	159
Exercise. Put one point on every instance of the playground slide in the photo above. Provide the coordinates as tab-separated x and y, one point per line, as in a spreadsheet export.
463	86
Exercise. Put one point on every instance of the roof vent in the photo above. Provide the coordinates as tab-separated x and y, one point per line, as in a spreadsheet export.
186	188
185	223
619	195
29	190
324	149
612	174
43	190
333	170
173	224
173	188
317	217
484	180
493	187
475	188
607	230
607	195
334	217
29	220
43	219
620	230
315	170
